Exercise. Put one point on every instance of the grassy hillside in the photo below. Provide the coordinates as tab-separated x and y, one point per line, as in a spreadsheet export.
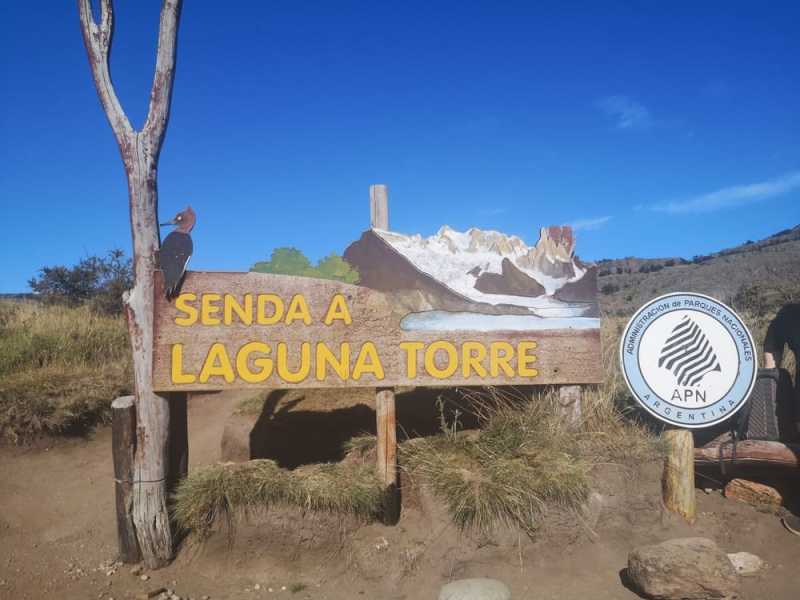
60	368
755	276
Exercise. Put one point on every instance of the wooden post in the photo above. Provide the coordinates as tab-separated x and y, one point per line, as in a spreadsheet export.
139	150
678	479
569	401
384	397
379	206
123	446
387	452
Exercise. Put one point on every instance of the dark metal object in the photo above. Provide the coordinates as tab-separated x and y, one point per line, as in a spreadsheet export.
176	250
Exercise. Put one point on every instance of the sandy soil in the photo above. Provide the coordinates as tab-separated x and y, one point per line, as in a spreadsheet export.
58	538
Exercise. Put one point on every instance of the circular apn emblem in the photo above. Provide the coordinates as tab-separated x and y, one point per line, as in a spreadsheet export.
688	359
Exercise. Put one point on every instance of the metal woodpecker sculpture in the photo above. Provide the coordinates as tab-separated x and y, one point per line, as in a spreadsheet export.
176	250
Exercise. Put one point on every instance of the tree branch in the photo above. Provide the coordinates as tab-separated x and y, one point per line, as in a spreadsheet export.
97	40
161	91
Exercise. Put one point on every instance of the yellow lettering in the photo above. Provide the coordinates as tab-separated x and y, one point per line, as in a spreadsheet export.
430	359
524	359
325	356
411	349
298	309
338	311
283	363
368	361
208	309
263	363
472	354
178	376
216	364
277	313
498	360
182	304
245	313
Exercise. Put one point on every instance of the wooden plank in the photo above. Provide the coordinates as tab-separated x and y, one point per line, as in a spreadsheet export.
123	446
387	452
379	206
563	356
678	478
751	454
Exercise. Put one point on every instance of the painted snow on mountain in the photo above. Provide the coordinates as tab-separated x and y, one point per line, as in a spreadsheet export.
440	320
467	261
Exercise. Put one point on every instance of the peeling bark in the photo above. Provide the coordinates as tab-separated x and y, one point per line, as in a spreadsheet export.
140	151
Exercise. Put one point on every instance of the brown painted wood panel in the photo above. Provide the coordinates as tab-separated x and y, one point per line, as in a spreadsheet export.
562	356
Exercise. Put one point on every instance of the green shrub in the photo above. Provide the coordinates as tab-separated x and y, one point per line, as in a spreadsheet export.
291	261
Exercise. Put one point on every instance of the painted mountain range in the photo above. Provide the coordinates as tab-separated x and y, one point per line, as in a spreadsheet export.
479	272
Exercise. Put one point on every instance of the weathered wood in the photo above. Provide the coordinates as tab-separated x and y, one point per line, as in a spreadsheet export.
564	356
751	454
123	446
379	206
754	493
678	478
569	402
387	452
140	151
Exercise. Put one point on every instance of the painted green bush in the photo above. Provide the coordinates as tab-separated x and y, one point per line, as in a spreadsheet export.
291	261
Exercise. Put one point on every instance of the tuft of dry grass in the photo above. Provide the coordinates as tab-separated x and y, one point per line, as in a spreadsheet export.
60	368
225	492
521	463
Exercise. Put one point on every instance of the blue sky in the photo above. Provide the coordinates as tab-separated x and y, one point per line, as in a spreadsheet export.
659	131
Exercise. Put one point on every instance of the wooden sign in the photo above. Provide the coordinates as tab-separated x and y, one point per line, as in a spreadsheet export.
408	323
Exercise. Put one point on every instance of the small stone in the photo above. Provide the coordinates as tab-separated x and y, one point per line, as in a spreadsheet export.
257	586
283	588
136	571
144	577
206	598
746	564
475	589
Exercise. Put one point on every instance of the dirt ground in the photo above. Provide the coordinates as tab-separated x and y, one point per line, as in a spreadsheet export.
58	538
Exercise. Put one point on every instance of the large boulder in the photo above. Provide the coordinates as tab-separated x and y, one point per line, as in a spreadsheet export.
683	569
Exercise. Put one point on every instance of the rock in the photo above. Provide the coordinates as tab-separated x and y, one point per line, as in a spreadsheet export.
144	577
746	564
753	493
683	568
475	589
150	594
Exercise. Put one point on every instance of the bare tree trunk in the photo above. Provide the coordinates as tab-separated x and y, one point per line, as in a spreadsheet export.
140	150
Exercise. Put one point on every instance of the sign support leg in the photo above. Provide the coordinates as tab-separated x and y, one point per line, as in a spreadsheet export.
123	446
387	453
678	479
569	404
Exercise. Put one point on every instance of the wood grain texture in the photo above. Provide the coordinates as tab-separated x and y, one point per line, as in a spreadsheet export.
569	401
750	453
379	206
123	445
562	356
140	151
387	452
678	478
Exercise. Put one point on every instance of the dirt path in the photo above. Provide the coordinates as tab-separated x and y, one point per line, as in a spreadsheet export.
57	539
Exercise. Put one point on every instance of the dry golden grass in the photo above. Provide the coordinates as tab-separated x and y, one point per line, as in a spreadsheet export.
223	493
60	368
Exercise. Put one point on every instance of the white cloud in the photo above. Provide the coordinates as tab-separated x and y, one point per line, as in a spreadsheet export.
733	196
626	112
589	224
